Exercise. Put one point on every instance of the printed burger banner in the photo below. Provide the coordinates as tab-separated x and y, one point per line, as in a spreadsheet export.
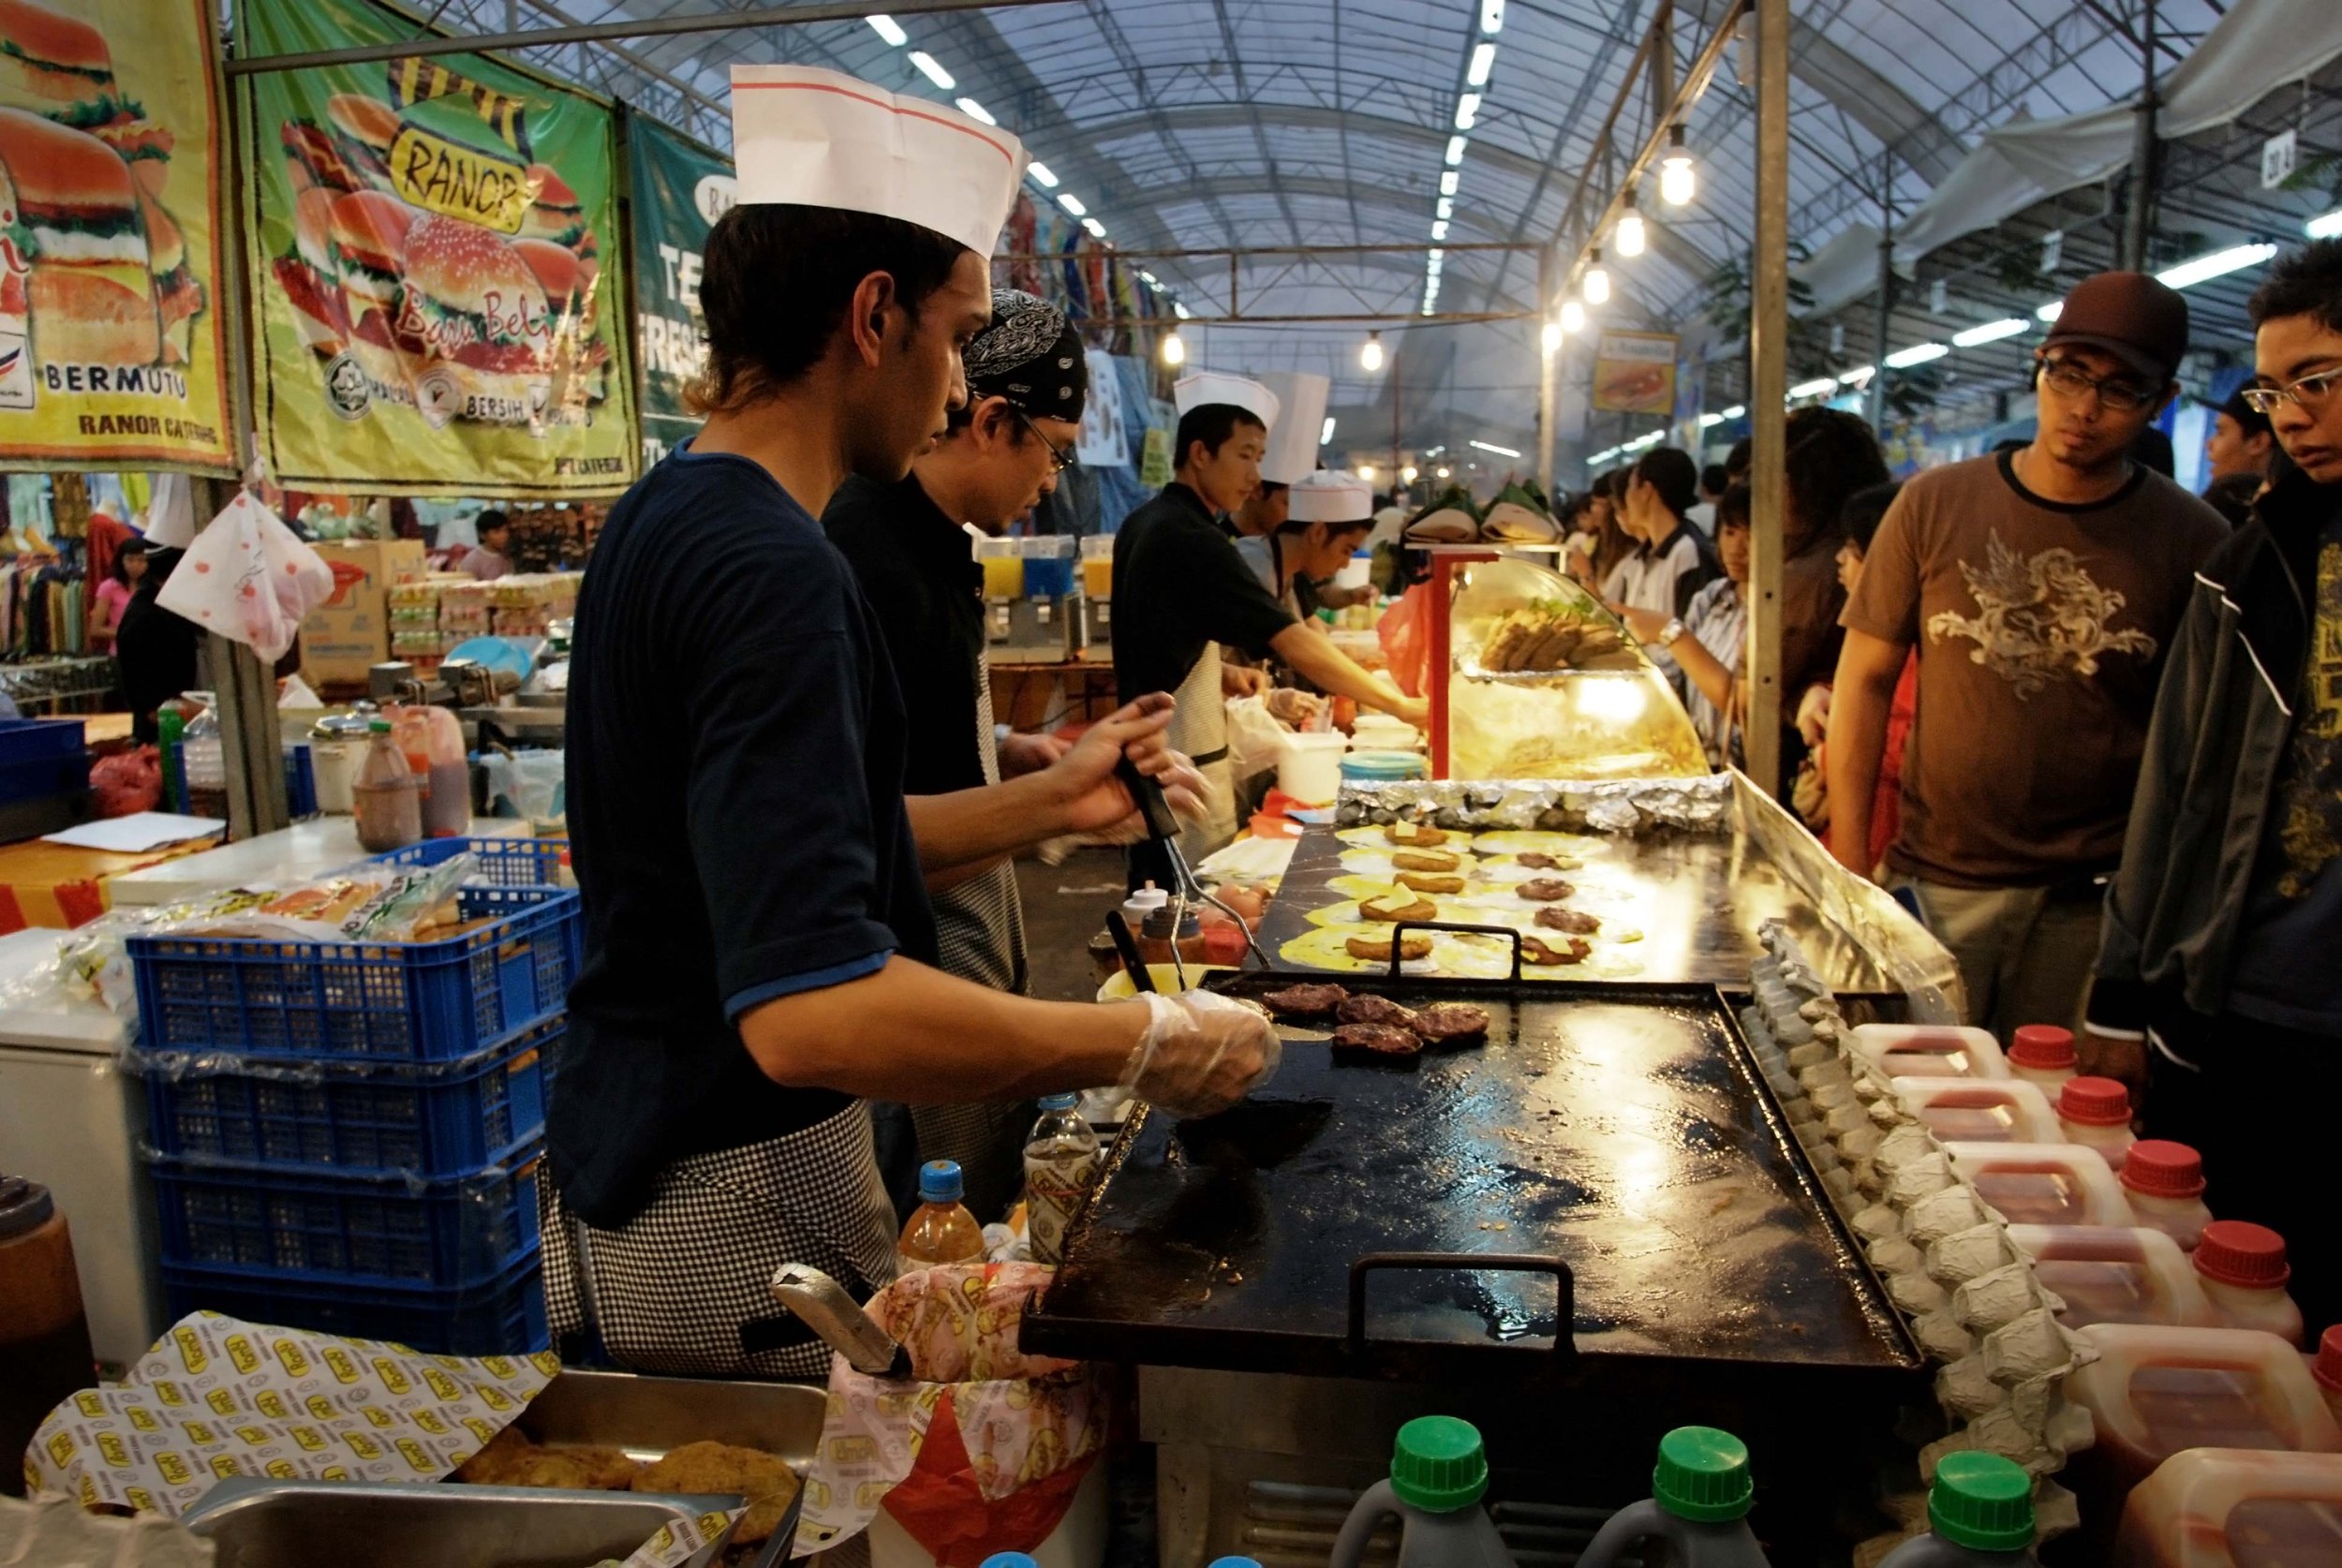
1634	372
111	337
435	308
679	189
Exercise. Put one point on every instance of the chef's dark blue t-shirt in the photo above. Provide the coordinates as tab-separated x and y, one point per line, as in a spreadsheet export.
736	761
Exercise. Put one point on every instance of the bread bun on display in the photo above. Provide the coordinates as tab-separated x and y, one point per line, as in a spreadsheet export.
52	60
178	294
481	317
91	292
363	130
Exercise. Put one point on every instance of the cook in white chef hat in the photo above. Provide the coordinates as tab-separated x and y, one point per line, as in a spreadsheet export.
1332	495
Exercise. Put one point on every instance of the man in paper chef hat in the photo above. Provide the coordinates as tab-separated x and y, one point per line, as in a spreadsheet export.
1181	590
760	947
1291	450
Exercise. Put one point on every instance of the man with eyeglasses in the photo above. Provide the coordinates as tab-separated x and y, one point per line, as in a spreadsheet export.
2041	588
2217	983
909	545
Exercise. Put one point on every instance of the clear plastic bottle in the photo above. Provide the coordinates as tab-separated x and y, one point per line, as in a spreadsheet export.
1697	1514
1060	1167
206	764
389	809
2164	1181
1439	1472
2243	1271
2043	1054
2096	1113
942	1231
1980	1515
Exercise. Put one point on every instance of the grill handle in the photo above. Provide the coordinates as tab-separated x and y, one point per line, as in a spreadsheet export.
1400	930
1564	1313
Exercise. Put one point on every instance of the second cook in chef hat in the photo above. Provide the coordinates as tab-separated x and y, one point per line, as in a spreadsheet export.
1202	388
1292	438
1332	495
810	137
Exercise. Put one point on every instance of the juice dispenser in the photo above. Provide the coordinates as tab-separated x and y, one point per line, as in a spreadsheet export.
1097	583
1042	623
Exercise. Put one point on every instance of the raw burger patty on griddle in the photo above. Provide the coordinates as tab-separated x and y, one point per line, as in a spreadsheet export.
1384	1039
1575	922
1443	1022
1375	1010
1545	890
1305	1001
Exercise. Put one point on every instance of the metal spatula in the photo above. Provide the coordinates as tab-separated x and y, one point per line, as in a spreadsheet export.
823	1306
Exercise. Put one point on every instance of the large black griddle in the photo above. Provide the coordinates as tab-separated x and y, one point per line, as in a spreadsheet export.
1605	1193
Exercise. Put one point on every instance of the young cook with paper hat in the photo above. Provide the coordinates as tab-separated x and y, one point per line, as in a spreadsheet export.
759	941
1180	589
1291	450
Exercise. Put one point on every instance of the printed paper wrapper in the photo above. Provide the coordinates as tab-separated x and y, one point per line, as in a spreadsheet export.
981	1456
217	1396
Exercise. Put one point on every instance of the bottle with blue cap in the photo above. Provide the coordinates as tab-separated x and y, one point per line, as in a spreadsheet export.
1700	1494
1060	1167
1439	1472
1980	1515
942	1231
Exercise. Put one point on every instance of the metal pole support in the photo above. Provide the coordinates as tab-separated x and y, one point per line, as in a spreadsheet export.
1768	341
1548	374
244	693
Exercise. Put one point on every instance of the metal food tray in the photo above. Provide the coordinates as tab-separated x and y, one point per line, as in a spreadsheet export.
1700	900
1611	1146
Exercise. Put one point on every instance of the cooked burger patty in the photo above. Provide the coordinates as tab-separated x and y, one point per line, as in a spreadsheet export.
1375	1010
1450	1021
1377	949
1396	907
1426	859
1384	1039
1414	836
1537	861
1430	881
1536	950
1546	890
1305	1001
1575	922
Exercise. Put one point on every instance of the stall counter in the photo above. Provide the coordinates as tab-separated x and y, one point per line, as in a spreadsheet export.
299	852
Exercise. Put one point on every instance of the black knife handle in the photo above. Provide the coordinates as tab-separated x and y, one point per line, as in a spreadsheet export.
1161	822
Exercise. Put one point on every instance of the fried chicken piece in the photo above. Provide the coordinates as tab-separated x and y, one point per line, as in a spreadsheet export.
1375	1010
1536	950
1575	922
1414	836
1396	907
1305	1001
1377	949
1443	1023
1382	1039
1546	890
765	1479
501	1462
1426	859
1430	881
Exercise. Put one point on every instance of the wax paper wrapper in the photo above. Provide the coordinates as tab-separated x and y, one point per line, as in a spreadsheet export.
217	1396
983	1452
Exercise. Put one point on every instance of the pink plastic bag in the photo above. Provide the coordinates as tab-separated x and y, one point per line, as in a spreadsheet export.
249	578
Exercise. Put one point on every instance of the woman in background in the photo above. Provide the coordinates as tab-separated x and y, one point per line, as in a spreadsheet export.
114	593
153	648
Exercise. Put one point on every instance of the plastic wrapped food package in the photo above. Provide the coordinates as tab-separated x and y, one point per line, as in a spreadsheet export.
1546	684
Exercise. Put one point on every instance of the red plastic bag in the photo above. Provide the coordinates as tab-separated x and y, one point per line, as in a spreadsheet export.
127	782
1405	633
940	1505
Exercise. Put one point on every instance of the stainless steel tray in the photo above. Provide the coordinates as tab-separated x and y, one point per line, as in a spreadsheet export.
345	1524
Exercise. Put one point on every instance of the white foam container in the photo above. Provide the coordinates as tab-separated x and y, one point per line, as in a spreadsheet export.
1309	768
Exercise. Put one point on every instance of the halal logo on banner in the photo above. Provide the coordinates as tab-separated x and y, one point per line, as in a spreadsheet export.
715	196
453	178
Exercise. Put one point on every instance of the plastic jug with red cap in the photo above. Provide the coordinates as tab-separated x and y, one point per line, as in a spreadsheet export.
1978	1110
1439	1472
2234	1508
2043	1054
2116	1274
1980	1515
2154	1391
2042	1184
1929	1051
2325	1369
2243	1271
2164	1183
2096	1114
1696	1515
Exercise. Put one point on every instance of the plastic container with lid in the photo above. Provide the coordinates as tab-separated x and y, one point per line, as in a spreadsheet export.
1309	766
1979	1110
2234	1508
45	1355
1930	1051
1980	1514
2096	1114
1369	767
2044	1184
1439	1472
2243	1271
2325	1369
2116	1274
2155	1391
1060	1168
1697	1514
2164	1181
204	761
940	1231
387	799
2043	1054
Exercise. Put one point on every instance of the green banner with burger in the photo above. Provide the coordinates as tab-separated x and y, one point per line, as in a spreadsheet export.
678	189
435	313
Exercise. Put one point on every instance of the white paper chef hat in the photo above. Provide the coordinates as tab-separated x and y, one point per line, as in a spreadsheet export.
1193	391
1293	441
1331	495
822	138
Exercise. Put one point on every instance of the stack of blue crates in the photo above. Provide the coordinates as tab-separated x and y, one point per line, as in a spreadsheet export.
347	1135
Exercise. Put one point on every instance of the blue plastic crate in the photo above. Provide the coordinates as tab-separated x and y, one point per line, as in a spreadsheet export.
384	1001
503	862
504	1317
355	1118
41	757
348	1230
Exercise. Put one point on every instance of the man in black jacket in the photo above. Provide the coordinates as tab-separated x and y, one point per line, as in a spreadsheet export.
2217	985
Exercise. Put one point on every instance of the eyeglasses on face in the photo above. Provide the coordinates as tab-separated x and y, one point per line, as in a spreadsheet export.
2116	393
1059	459
2310	392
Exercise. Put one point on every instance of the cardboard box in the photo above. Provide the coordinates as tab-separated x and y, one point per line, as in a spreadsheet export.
350	633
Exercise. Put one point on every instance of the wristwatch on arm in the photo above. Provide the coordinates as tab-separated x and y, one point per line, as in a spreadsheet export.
1669	633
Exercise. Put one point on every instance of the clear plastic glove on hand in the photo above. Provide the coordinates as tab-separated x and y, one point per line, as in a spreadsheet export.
1201	1054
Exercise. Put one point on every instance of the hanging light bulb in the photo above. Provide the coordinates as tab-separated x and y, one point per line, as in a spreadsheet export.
1596	281
1630	230
1552	337
1173	352
1573	317
1676	182
1406	475
1370	353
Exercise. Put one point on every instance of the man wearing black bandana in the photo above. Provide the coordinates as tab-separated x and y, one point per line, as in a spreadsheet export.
910	544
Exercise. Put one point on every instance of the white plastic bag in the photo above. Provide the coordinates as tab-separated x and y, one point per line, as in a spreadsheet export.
249	578
1255	740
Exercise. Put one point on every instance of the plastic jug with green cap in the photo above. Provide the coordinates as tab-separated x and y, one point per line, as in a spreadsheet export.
1439	1472
1700	1493
1980	1515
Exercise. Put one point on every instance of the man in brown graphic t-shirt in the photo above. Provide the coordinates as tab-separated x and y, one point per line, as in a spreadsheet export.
2041	588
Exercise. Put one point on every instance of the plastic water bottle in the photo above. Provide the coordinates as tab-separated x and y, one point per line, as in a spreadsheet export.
1439	1472
1700	1493
1060	1168
942	1231
1979	1512
387	798
206	764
